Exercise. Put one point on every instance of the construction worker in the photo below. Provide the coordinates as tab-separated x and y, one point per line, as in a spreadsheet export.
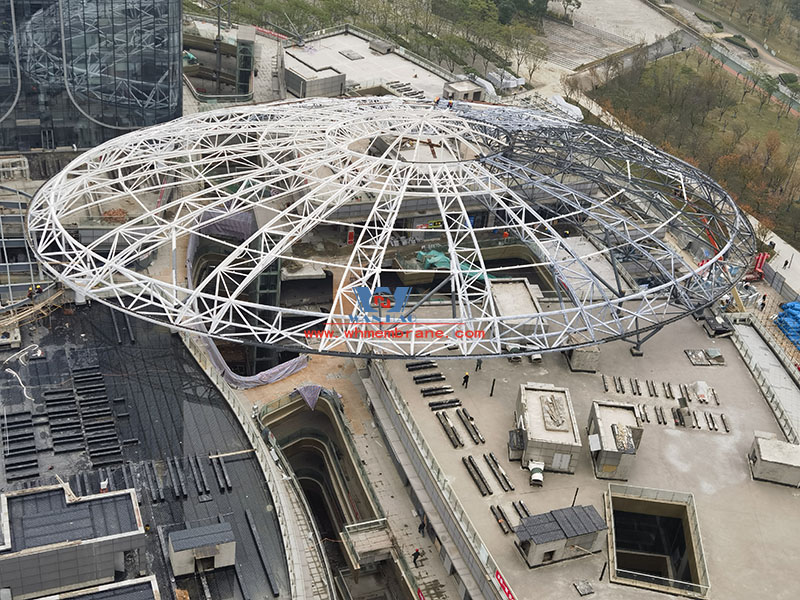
30	292
416	556
38	289
465	380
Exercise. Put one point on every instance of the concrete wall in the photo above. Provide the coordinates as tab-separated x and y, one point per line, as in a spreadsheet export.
545	452
584	359
71	565
566	548
183	562
613	465
226	556
769	470
297	85
537	552
327	86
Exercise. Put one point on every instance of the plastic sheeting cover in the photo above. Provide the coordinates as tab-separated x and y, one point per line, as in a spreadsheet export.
243	382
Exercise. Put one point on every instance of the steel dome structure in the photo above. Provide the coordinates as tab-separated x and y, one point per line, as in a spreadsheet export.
613	237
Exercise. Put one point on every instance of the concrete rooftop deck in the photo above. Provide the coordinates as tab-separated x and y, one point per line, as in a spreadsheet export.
369	70
750	530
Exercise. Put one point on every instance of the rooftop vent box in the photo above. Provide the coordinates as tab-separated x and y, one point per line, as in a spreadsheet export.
381	46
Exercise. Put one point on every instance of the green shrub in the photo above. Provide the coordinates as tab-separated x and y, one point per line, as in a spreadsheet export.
703	18
788	78
718	25
739	37
737	41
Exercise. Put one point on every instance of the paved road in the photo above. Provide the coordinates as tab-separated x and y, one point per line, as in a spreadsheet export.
763	54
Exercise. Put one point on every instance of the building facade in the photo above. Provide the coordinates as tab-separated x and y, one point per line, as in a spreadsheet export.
80	72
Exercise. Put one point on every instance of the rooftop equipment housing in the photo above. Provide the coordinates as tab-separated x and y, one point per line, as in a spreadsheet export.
615	433
546	429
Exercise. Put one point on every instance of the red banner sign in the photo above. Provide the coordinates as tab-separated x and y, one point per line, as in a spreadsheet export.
503	585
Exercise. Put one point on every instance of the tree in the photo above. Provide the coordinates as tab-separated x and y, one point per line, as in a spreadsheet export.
638	63
533	8
772	145
752	77
794	219
505	11
537	53
452	49
675	40
525	48
766	87
611	67
763	232
570	5
570	86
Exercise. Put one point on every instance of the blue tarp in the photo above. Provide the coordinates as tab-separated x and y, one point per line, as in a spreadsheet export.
435	259
788	321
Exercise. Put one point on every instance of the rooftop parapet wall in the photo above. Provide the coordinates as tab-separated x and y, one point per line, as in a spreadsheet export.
53	541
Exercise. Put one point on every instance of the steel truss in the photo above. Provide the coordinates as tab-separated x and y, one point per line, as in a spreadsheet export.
630	238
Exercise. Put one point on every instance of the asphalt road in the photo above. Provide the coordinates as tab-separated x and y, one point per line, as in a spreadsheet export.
764	55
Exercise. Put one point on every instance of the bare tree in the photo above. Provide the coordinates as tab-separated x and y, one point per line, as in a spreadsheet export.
570	86
675	40
611	68
570	5
537	54
766	87
739	130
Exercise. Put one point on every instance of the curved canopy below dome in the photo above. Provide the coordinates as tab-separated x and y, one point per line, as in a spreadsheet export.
386	227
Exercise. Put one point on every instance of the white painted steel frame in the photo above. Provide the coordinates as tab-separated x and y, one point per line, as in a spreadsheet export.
551	184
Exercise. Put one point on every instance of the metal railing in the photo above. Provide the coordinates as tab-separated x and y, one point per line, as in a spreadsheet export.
216	98
694	588
475	553
294	558
773	398
353	528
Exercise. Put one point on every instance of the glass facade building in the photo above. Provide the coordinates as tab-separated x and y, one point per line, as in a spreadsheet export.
79	72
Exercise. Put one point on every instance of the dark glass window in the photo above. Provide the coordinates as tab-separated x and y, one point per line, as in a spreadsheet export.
115	68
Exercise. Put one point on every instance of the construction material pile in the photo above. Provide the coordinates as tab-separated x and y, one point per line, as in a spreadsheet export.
788	321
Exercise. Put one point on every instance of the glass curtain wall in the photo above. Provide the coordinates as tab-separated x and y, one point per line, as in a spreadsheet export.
79	72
